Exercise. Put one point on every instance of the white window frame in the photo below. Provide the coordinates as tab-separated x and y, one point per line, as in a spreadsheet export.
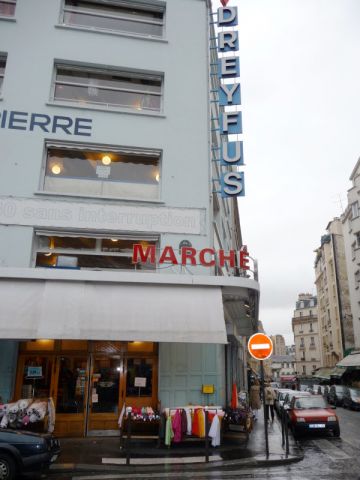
98	236
96	147
150	6
106	71
10	2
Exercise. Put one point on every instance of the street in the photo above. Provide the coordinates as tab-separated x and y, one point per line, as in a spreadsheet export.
325	458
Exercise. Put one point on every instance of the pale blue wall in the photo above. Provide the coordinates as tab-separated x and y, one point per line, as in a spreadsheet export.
8	361
185	367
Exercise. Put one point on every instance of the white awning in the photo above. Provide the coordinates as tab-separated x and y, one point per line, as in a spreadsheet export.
96	311
352	360
133	306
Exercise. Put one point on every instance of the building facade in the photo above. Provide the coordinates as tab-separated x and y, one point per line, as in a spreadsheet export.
306	335
278	344
351	231
334	309
283	368
107	142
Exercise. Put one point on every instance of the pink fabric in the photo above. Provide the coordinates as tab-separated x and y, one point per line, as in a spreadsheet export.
176	426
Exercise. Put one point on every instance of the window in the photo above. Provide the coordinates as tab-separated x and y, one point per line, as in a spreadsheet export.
357	236
7	8
2	70
136	91
304	369
120	173
311	327
354	210
121	16
56	250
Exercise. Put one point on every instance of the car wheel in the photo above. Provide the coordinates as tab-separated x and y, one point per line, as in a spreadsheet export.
7	467
336	432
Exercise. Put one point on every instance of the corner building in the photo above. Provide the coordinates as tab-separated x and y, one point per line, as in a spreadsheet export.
106	141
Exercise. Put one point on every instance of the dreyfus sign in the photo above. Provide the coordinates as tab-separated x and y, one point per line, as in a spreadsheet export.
232	183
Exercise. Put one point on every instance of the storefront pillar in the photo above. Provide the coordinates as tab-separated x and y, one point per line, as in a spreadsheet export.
8	362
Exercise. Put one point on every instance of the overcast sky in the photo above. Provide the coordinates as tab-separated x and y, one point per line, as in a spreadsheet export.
300	85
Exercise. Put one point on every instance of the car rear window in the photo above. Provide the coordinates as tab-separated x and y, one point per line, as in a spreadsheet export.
310	402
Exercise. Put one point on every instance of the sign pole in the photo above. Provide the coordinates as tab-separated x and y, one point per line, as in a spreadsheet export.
264	407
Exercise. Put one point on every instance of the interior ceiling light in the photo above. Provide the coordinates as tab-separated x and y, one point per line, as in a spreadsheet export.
157	177
114	239
106	160
56	169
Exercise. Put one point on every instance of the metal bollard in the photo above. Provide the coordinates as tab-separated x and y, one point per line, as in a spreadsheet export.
206	436
282	429
128	439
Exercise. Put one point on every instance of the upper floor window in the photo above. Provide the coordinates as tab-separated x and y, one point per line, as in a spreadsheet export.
121	16
2	70
95	171
7	8
357	236
355	210
131	90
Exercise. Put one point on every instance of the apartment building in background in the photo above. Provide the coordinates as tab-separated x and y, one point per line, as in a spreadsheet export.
111	133
306	335
278	344
334	309
351	231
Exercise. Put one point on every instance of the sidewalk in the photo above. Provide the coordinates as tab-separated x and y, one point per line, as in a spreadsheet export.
103	453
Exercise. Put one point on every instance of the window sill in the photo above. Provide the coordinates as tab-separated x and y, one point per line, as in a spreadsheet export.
7	19
79	28
94	197
99	108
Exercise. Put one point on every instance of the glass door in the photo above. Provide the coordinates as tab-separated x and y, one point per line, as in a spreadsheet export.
105	394
71	394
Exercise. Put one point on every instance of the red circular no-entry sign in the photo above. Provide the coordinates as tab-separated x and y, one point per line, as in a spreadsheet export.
260	346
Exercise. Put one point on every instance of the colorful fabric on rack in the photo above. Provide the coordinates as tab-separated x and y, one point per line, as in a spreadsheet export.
215	432
183	422
189	421
176	426
201	423
195	423
169	434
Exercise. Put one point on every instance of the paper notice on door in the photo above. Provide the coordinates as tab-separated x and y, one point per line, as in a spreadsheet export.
140	382
94	398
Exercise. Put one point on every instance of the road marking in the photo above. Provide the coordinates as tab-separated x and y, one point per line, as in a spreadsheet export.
329	449
261	346
160	460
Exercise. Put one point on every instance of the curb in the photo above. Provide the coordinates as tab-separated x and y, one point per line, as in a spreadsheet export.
252	462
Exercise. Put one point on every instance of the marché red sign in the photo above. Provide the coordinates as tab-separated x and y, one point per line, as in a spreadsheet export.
207	257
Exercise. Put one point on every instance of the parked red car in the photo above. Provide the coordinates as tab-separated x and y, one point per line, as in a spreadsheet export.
312	414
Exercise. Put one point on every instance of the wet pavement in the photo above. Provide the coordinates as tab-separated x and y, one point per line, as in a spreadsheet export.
100	456
325	457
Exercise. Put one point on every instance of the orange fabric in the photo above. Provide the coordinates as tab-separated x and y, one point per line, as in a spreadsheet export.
195	423
234	397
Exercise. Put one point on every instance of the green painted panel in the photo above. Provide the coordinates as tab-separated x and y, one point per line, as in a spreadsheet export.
184	368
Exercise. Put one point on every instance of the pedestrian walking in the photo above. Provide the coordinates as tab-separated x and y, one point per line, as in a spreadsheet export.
269	401
255	402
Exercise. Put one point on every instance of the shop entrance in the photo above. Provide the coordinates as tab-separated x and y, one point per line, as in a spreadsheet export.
89	388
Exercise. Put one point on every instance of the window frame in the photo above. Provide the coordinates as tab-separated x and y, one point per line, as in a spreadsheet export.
98	236
96	147
10	2
99	69
150	6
